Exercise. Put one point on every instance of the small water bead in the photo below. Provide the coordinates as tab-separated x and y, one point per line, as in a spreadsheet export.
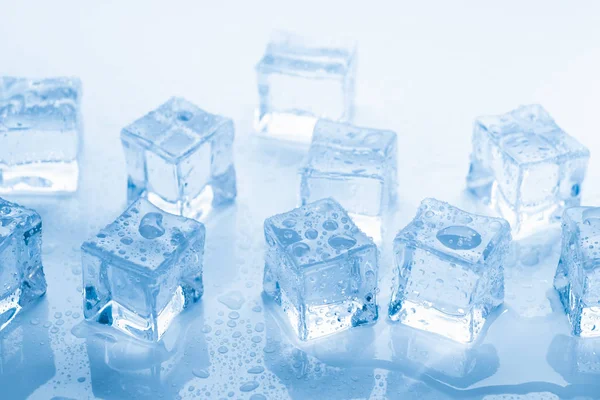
259	327
231	324
341	242
300	249
249	386
236	334
258	397
256	339
429	213
459	237
201	373
223	349
234	315
289	223
311	234
330	225
256	370
126	240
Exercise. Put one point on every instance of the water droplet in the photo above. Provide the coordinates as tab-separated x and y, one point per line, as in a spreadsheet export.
289	223
429	213
249	386
591	216
256	370
222	349
201	373
300	249
330	225
126	240
234	300
151	226
459	237
341	242
311	234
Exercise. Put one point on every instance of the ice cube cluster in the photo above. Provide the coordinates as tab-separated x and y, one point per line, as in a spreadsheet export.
322	259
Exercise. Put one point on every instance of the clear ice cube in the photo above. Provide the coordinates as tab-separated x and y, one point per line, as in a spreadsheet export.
40	130
526	167
22	278
142	270
357	167
449	270
180	158
320	269
577	278
300	80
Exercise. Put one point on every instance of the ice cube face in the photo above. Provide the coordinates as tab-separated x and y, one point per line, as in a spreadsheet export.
320	269
180	158
143	270
355	166
449	270
577	278
300	80
40	134
22	278
526	167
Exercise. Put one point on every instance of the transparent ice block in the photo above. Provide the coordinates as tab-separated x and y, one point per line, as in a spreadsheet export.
320	269
142	270
180	158
577	278
300	80
449	270
22	278
526	167
357	167
40	135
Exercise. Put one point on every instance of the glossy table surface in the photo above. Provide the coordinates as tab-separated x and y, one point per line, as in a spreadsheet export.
424	71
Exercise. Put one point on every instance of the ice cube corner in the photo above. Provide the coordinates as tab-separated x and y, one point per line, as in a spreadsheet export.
22	277
40	135
180	158
301	79
320	269
143	270
526	167
449	270
577	278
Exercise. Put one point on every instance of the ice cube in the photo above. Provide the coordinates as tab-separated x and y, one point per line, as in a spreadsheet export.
300	80
357	167
449	270
526	167
40	130
577	277
180	158
22	278
321	269
142	270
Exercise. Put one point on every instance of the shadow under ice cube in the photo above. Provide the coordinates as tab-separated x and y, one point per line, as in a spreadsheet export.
526	167
22	278
321	269
40	135
355	166
180	158
450	270
577	278
299	81
143	270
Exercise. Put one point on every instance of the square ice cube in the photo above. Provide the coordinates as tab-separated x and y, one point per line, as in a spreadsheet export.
22	277
528	168
321	269
449	270
180	158
300	80
142	270
357	167
40	129
577	277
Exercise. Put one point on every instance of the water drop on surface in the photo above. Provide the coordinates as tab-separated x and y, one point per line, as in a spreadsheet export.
330	225
201	373
341	242
249	386
459	237
311	234
151	226
300	249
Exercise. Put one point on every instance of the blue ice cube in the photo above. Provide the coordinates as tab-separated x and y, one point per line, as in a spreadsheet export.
142	270
450	270
528	168
180	158
299	80
321	269
22	278
40	130
357	167
577	277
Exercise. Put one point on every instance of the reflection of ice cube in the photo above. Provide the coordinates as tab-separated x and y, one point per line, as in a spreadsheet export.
143	270
321	269
450	270
40	130
526	166
21	275
357	167
576	359
300	81
181	158
577	278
